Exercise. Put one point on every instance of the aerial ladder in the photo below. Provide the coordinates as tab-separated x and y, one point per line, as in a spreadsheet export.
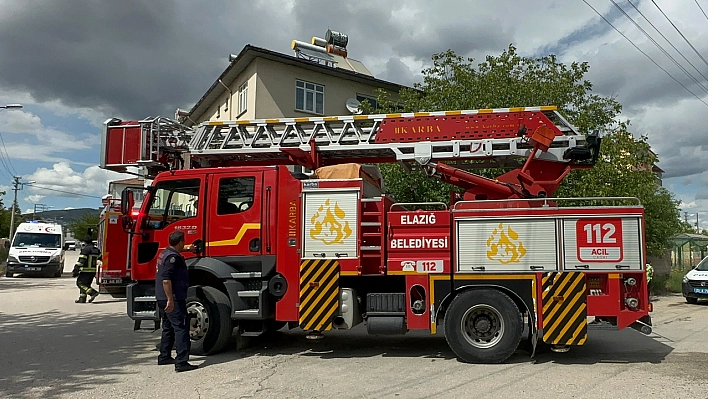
537	143
504	241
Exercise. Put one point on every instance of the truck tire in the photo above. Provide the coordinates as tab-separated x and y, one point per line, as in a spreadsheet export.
210	320
691	300
483	326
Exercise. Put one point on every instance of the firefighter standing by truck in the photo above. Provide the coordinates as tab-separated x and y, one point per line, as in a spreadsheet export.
85	270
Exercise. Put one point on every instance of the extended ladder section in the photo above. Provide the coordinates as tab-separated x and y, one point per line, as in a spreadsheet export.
491	138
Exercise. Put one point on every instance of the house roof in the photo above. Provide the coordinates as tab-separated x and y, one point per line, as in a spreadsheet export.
131	181
250	53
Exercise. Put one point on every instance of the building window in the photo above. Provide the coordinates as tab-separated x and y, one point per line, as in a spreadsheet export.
242	98
371	100
309	97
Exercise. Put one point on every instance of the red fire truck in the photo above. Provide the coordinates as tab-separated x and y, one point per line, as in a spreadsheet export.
331	250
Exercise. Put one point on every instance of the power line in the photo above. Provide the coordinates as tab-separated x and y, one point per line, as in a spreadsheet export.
668	41
645	54
14	172
659	46
62	191
699	6
679	32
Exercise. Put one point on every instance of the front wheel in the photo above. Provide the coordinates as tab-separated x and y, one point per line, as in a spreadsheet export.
483	326
691	300
210	325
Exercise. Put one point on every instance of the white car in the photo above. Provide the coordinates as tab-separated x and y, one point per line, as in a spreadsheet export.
695	282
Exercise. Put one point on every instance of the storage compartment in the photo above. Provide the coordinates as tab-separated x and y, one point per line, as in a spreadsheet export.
603	243
506	244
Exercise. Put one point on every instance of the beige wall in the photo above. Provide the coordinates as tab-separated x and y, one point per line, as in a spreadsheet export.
271	93
276	90
218	110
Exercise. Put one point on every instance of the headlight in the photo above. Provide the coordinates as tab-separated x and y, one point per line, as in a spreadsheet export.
55	258
12	259
685	278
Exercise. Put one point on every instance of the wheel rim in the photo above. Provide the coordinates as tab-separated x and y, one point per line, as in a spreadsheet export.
482	326
199	320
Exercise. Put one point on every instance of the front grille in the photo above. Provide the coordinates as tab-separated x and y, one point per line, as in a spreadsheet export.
698	284
34	259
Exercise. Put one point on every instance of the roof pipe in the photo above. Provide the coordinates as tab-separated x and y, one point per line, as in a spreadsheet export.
231	98
317	41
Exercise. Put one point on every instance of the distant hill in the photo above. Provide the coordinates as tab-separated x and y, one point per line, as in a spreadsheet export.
63	217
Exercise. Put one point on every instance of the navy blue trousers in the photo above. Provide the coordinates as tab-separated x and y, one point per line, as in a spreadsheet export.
175	332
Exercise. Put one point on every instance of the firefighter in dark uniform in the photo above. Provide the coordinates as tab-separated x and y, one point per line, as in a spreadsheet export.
85	270
171	284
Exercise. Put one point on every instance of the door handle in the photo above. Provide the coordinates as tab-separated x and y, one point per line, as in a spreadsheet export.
621	266
340	254
537	267
582	266
479	268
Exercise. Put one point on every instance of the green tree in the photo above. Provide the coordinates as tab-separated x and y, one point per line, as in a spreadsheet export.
510	80
79	227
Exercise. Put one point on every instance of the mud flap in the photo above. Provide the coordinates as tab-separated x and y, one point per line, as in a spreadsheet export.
564	301
319	293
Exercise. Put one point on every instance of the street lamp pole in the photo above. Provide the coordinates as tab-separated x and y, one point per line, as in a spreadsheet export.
11	106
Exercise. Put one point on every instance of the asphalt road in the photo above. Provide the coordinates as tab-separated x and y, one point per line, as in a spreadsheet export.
51	347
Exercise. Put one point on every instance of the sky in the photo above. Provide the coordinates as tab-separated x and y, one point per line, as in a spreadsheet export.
74	63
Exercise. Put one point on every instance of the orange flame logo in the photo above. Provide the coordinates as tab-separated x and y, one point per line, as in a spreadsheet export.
504	245
329	225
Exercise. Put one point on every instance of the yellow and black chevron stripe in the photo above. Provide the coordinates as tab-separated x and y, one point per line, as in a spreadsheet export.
564	314
319	293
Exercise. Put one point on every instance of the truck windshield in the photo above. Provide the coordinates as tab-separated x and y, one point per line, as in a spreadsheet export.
26	240
172	200
703	266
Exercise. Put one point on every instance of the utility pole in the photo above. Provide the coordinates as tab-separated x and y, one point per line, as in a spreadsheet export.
698	230
16	186
685	217
42	208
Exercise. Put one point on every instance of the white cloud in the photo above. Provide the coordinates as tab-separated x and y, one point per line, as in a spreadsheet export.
26	137
34	198
63	181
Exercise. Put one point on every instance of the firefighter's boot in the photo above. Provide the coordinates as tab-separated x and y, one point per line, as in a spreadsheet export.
82	299
93	295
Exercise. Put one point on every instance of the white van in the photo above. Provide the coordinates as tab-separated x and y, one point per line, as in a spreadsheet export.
38	249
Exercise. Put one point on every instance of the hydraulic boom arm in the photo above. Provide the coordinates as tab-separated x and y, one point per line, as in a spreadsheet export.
545	143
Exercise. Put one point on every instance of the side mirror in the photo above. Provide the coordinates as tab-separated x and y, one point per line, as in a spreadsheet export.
7	244
126	201
127	223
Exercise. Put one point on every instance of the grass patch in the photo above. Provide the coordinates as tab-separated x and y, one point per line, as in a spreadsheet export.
668	283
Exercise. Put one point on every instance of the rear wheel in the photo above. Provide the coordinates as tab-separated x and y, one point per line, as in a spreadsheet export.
691	300
8	274
210	325
483	326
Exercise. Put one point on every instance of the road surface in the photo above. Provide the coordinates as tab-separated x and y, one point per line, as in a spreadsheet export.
51	347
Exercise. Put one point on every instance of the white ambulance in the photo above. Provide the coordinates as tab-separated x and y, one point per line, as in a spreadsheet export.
36	249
